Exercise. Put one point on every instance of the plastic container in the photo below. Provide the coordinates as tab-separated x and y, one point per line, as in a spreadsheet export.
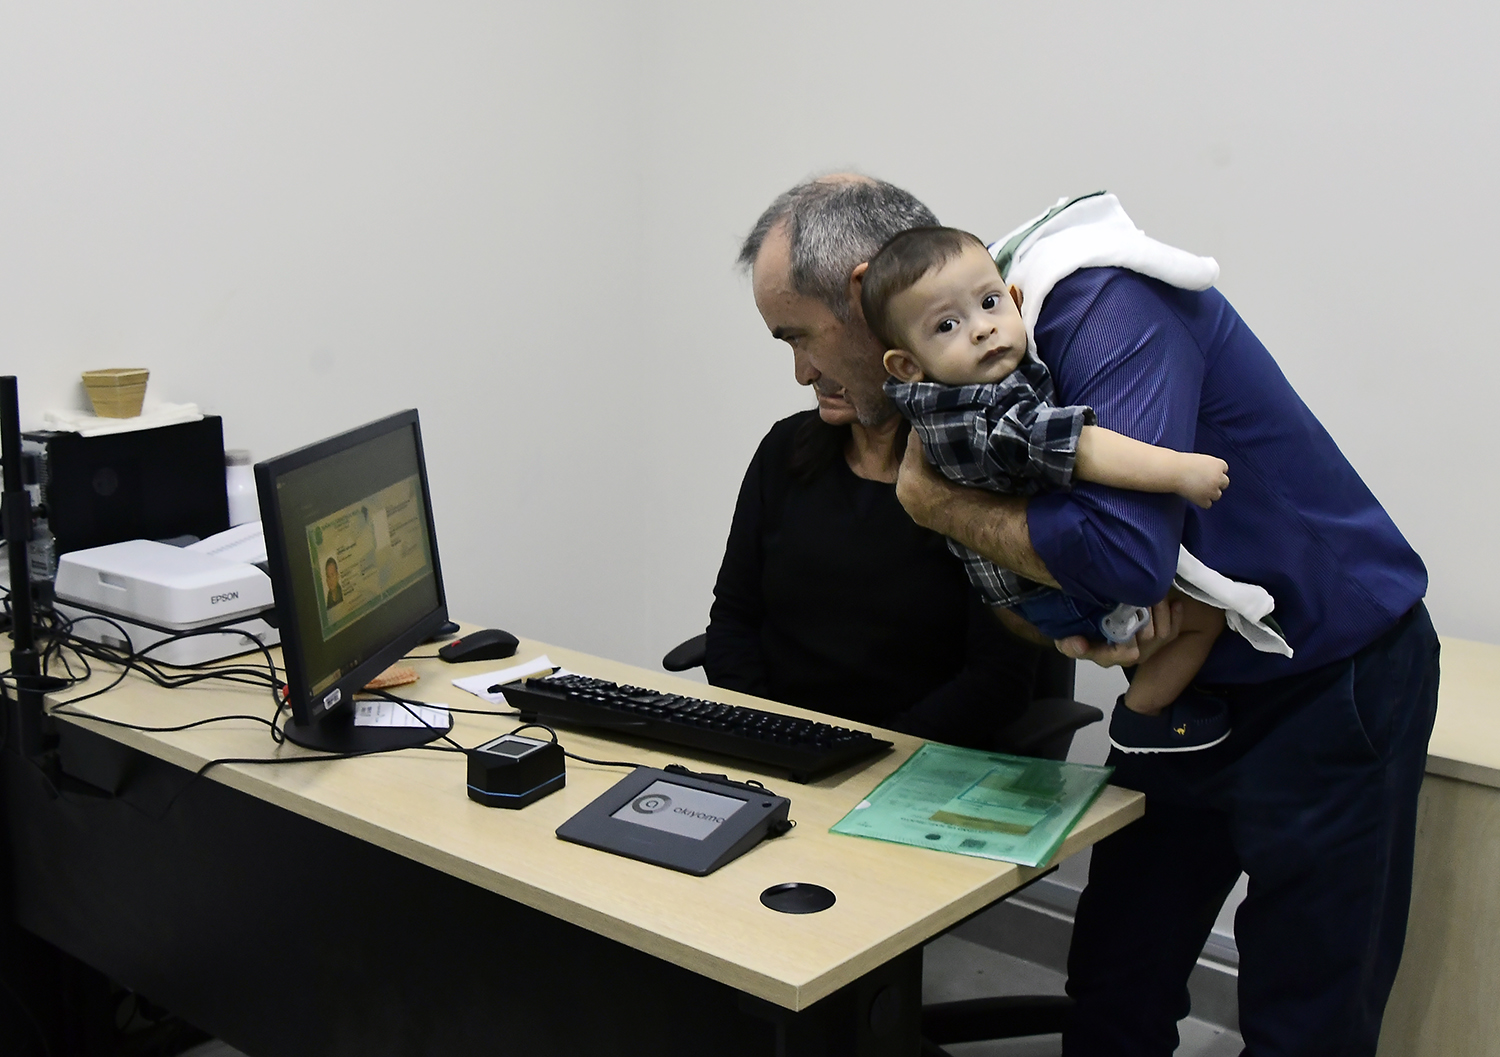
239	483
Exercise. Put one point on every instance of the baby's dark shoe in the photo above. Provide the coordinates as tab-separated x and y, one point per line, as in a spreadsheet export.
1190	723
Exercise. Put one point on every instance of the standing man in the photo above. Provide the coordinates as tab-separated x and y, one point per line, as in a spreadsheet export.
1314	793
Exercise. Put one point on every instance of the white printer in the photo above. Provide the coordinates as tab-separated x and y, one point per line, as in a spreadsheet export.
154	591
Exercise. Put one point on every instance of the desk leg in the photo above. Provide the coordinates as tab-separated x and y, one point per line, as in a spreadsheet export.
878	1015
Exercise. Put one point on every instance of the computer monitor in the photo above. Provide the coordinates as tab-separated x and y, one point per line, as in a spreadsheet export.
353	560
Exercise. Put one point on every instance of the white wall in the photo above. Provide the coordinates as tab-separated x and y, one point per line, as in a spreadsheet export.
307	216
1337	164
522	219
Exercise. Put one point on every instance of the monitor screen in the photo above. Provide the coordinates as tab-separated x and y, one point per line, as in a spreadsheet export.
353	561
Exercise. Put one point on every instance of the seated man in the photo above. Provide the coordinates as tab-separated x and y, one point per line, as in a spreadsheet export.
805	611
829	597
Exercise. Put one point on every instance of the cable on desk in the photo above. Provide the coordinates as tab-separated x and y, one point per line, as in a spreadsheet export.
675	768
160	672
467	711
572	755
60	637
322	757
601	763
406	704
575	756
61	640
752	783
159	730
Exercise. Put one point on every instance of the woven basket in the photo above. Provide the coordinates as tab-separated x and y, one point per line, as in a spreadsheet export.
117	393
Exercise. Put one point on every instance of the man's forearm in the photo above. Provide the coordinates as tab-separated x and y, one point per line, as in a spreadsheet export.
994	526
990	524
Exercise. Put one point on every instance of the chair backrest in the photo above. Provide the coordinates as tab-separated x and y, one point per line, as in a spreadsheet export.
1047	725
1055	675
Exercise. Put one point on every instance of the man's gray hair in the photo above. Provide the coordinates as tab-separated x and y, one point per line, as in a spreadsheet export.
835	224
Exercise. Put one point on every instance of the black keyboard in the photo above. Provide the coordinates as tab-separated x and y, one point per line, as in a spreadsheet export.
804	747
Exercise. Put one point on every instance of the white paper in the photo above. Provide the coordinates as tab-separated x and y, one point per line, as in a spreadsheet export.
243	543
391	714
151	416
479	685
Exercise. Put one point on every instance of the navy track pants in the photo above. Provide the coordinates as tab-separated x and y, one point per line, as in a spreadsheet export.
1314	796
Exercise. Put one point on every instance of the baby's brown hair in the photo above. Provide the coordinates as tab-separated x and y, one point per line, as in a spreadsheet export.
899	265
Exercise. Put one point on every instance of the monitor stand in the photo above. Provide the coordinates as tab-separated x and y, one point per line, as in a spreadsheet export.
337	733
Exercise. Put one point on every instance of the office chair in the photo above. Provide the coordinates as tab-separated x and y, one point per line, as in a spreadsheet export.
1046	730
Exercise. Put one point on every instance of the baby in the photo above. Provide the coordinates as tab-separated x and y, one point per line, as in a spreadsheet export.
982	406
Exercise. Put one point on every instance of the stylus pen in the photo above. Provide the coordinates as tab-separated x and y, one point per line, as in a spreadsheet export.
499	688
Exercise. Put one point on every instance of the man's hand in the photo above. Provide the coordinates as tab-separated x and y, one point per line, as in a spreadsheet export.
919	487
1162	628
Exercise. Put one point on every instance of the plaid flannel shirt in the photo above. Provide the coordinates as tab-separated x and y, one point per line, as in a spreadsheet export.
1004	436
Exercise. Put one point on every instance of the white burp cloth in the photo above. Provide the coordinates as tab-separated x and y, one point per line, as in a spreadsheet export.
1245	605
1092	232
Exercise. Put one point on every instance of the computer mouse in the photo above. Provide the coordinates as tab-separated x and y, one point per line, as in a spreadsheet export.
487	645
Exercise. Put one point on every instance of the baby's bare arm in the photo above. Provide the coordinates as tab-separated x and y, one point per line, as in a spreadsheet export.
1167	673
1107	457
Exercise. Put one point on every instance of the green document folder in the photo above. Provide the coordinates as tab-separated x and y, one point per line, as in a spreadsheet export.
1012	808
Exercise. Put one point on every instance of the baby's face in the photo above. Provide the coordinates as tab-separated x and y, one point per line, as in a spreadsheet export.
960	323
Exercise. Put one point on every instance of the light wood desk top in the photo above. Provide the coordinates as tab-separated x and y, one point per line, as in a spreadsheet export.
1466	736
890	897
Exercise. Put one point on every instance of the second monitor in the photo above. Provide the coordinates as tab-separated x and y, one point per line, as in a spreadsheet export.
353	560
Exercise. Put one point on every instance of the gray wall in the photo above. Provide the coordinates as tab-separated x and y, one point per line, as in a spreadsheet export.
521	219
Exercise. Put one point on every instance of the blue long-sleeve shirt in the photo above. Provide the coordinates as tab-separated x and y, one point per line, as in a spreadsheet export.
1180	369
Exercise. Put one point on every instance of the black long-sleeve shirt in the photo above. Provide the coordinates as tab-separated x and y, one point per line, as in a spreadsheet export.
831	598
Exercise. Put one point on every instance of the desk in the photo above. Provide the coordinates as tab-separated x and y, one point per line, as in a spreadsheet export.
1443	1003
351	906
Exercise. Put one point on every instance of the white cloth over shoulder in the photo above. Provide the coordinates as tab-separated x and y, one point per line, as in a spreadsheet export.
1245	606
85	424
1094	232
1091	232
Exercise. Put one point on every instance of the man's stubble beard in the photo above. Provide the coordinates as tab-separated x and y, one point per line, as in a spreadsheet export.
870	411
875	416
872	408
